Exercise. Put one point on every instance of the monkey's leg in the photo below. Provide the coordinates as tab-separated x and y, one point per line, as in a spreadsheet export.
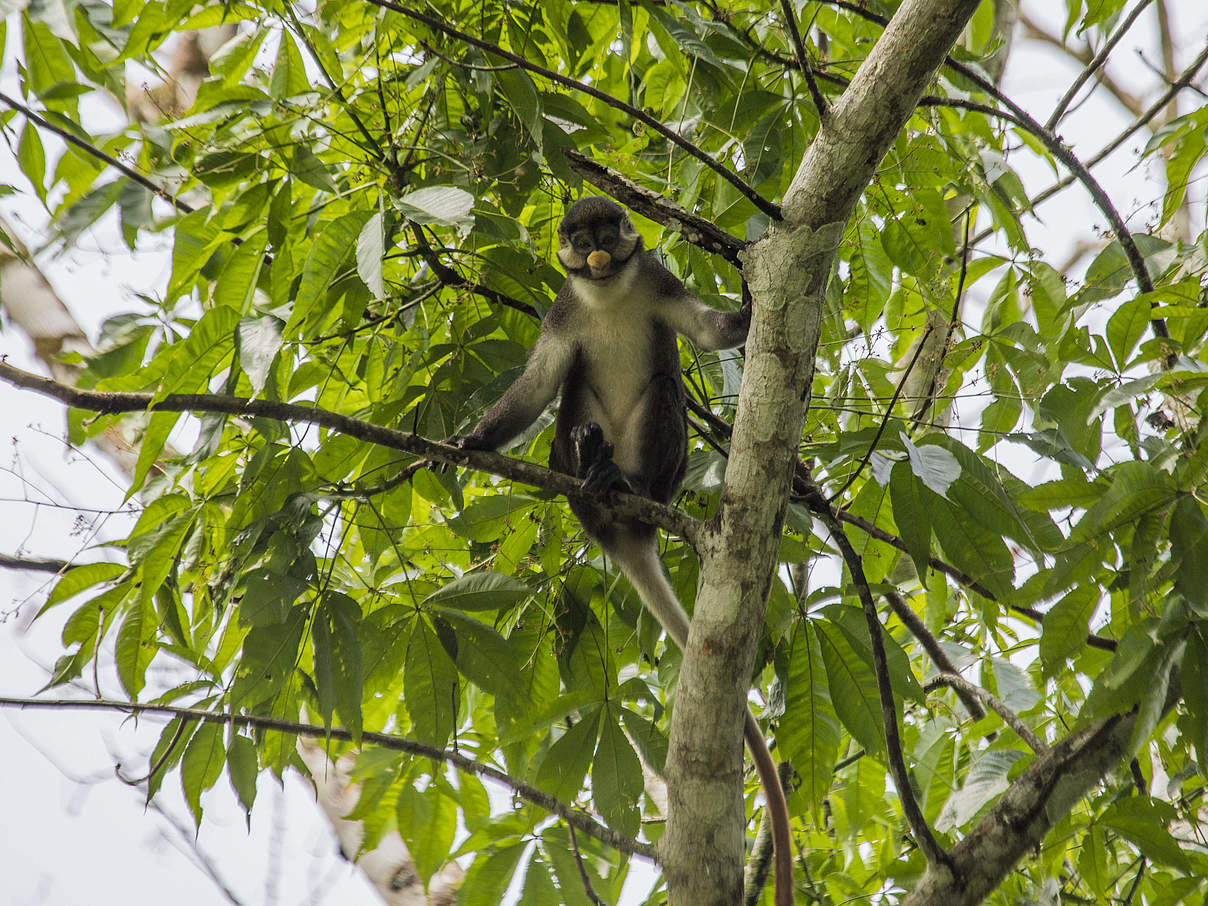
593	455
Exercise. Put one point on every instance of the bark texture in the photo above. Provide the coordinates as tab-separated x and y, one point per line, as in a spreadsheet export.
787	272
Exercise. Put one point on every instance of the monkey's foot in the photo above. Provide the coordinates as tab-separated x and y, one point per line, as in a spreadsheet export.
605	476
590	446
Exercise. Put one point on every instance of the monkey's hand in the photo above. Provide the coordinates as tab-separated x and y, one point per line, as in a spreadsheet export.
466	442
600	473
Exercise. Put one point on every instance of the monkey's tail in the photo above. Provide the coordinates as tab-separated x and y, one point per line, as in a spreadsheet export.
637	555
778	809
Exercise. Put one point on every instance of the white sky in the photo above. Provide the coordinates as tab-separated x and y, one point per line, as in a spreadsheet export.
74	834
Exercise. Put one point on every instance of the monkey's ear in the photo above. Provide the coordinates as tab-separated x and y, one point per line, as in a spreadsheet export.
628	239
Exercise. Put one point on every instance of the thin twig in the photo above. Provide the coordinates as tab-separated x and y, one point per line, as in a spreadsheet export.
995	704
463	64
932	646
772	210
803	59
897	391
583	875
96	152
527	791
449	277
917	821
1089	70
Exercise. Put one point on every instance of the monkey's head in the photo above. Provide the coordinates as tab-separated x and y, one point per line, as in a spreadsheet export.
596	239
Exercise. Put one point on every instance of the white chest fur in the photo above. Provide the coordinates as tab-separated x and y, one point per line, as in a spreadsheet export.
614	329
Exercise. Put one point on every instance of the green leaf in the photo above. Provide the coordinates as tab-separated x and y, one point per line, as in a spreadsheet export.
427	822
911	515
289	76
1126	327
485	590
235	287
1065	627
324	262
243	765
431	684
202	765
444	205
195	239
490	875
616	778
566	762
483	655
539	889
370	250
1189	553
258	341
1136	488
338	672
79	578
810	740
209	345
31	156
1143	822
987	778
135	648
853	688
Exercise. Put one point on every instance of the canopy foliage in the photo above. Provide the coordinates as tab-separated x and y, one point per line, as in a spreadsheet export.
363	208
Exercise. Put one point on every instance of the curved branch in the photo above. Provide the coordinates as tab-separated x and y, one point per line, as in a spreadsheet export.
1092	67
671	135
94	151
631	505
577	819
931	645
959	684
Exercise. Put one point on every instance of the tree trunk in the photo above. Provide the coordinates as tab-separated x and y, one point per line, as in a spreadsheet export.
787	271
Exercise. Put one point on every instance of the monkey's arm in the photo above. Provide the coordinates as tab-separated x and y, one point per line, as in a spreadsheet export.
520	405
708	328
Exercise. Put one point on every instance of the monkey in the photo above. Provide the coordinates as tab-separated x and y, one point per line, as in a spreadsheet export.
608	343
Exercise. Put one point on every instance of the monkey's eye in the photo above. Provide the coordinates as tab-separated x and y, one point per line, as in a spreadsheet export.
607	238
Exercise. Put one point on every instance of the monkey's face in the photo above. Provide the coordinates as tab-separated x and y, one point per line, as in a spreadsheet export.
597	238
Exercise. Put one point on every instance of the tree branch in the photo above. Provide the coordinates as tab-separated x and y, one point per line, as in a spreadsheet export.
932	646
1027	811
803	59
35	564
93	151
1093	66
670	134
530	793
630	505
961	685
